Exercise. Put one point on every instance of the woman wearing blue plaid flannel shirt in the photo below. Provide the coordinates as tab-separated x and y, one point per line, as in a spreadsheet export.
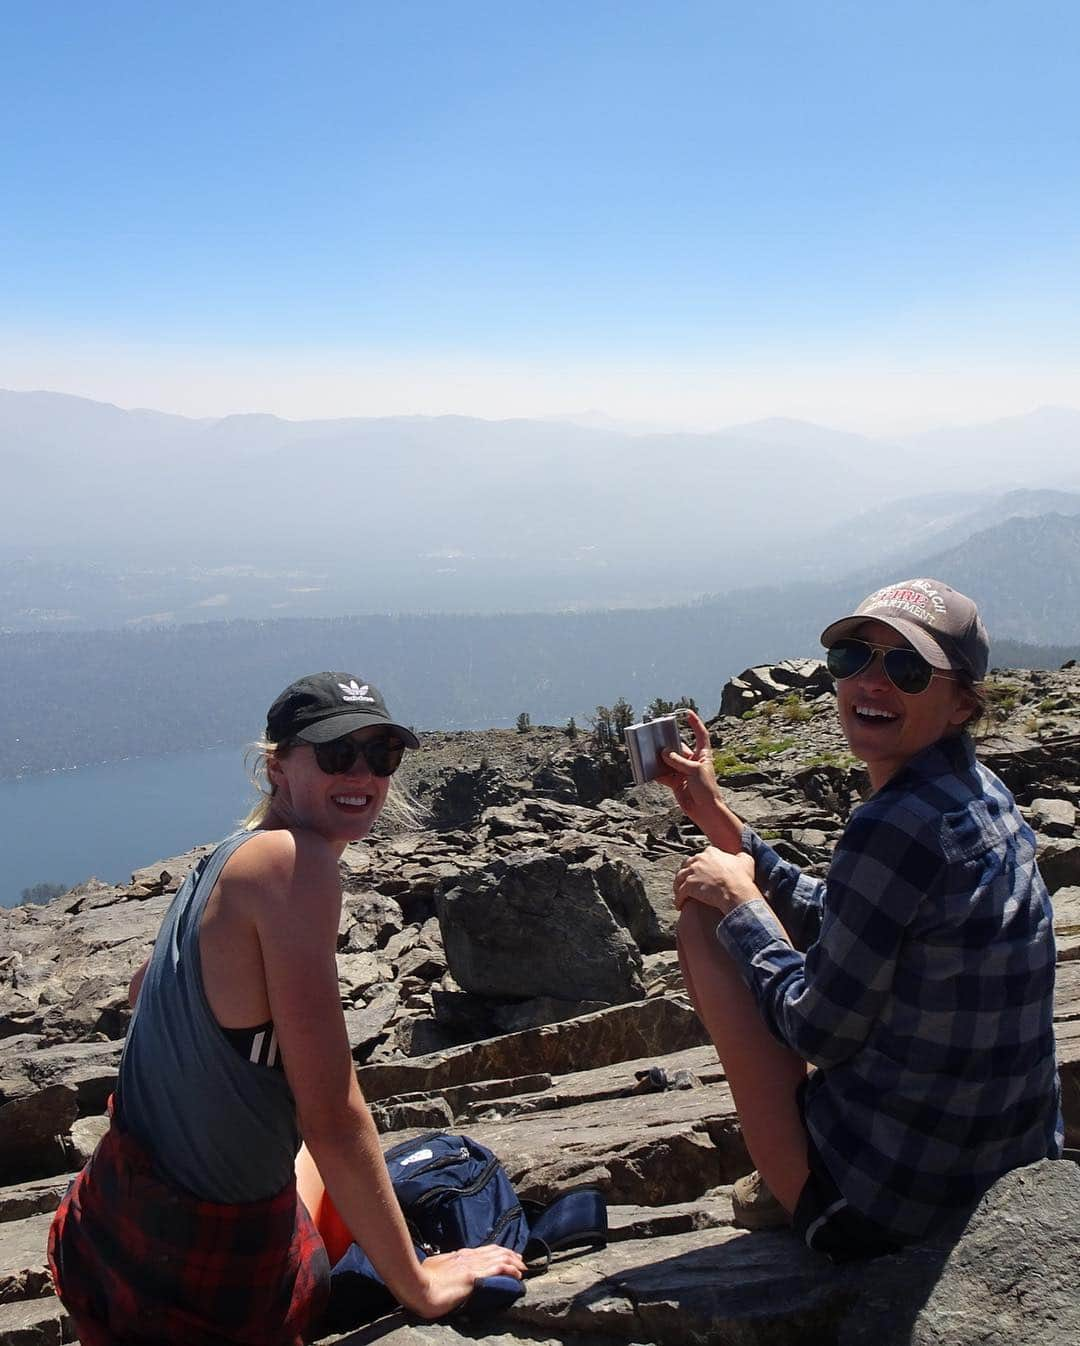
916	980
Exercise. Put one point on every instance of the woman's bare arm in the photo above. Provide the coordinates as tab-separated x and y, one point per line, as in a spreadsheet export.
296	911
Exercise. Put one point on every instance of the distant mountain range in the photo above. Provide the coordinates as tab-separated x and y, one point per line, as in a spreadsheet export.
118	517
162	578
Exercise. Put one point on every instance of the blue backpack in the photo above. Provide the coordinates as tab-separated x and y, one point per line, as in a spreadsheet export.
455	1194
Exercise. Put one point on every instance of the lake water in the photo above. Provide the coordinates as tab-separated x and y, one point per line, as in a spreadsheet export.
105	821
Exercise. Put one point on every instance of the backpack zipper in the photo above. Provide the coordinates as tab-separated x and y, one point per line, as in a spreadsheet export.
501	1223
432	1165
433	1193
404	1146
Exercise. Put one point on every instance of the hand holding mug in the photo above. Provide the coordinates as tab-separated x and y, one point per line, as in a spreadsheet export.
691	777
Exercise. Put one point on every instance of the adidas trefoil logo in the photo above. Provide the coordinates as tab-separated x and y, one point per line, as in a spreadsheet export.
352	691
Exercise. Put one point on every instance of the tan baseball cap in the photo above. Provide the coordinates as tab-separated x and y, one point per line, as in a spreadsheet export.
942	624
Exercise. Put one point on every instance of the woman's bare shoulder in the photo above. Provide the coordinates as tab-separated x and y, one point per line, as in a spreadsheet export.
279	859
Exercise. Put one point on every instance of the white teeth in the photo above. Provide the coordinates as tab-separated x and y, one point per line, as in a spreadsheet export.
875	713
358	800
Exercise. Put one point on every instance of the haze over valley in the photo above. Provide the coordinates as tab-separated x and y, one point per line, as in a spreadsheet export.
125	518
600	564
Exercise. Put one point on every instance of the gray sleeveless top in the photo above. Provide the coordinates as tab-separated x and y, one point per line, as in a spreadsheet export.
216	1123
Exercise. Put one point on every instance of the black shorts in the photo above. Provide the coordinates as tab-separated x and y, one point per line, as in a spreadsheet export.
824	1220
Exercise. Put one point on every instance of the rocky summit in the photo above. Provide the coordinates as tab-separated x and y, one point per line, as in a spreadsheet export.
508	969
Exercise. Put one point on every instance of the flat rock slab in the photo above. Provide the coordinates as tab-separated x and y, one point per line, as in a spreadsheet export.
34	1322
24	1271
616	1081
90	1068
712	1210
640	1150
32	1198
622	1033
715	1285
1067	924
399	1331
1068	1047
1067	1033
1010	1280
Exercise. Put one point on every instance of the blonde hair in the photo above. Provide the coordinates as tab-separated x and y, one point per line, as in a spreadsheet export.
256	756
402	812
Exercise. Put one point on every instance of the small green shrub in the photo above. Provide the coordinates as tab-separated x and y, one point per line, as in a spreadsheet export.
728	763
768	747
794	709
1002	698
844	760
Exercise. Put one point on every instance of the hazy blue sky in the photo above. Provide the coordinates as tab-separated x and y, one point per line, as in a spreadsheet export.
867	213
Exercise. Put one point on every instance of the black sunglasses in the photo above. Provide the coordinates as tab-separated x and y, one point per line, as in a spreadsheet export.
383	754
907	670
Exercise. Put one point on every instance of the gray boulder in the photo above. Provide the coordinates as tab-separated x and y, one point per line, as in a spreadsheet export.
537	926
461	796
1011	1279
770	682
599	775
1053	817
32	1131
1058	859
622	889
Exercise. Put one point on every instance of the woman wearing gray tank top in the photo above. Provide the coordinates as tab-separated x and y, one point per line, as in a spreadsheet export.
237	1050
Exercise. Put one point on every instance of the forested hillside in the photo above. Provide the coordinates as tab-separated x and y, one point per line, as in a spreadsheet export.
88	697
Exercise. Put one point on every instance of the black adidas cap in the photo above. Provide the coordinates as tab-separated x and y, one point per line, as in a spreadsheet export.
324	706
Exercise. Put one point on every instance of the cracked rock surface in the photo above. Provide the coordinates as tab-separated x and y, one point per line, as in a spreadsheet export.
559	1062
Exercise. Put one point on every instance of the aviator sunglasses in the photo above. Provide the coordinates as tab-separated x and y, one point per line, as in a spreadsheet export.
906	670
383	754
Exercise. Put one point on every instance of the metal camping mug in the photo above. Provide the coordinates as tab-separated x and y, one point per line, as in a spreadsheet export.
646	741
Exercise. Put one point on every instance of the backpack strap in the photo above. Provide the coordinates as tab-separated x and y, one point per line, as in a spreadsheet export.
359	1295
577	1219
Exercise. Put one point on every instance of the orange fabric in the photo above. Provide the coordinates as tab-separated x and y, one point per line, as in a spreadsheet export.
334	1231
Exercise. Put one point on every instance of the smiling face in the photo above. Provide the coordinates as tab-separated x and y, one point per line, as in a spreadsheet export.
341	808
886	727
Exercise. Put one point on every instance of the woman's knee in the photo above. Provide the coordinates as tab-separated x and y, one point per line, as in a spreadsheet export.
696	929
700	952
711	976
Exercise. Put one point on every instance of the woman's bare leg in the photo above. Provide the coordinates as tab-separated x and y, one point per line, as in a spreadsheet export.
312	1192
309	1184
763	1074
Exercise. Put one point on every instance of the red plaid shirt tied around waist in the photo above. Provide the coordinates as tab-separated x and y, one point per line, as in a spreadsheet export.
137	1260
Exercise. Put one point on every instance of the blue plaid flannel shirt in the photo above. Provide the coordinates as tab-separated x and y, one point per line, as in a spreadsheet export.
925	994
